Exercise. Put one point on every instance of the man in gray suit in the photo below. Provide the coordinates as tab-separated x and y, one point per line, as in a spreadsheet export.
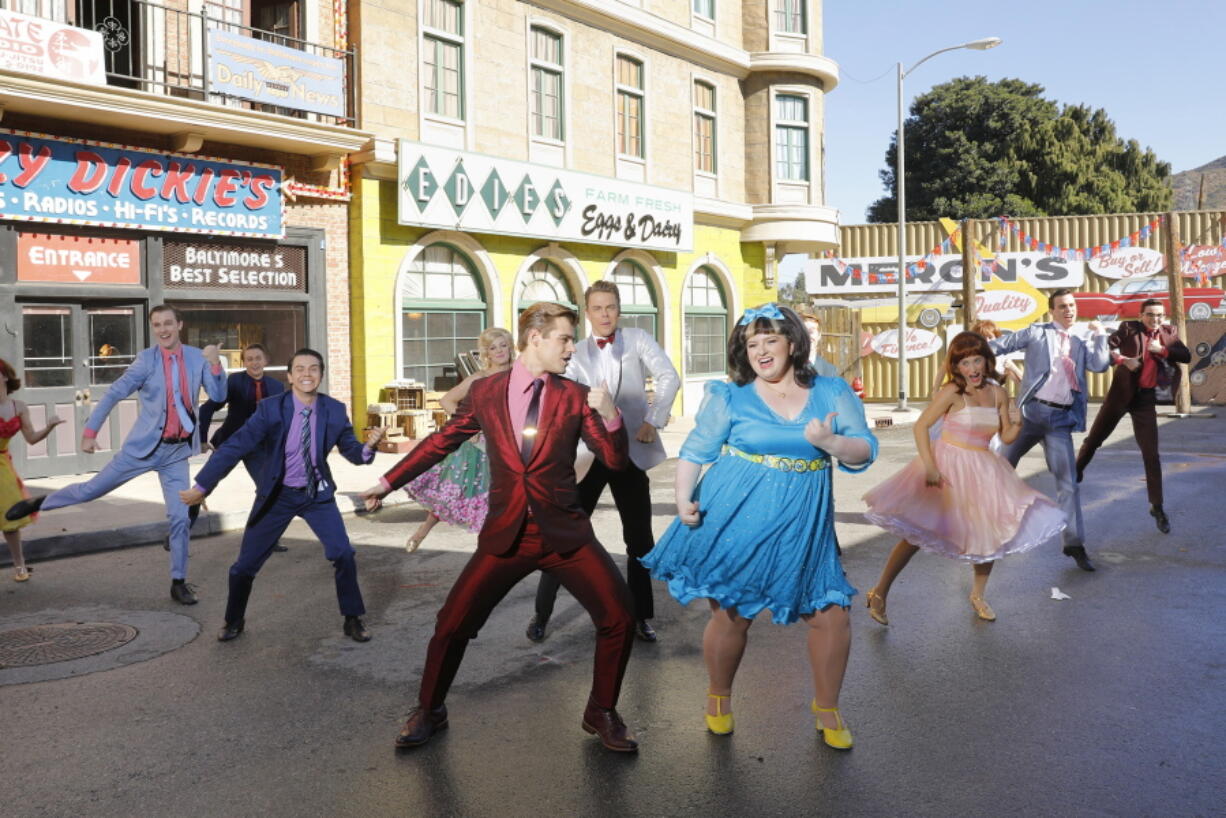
622	359
1054	402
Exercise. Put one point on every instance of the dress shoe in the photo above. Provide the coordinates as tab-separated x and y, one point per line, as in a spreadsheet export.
1164	525
24	508
837	737
536	630
183	593
644	631
609	727
280	549
1079	555
721	724
876	612
421	726
230	631
355	629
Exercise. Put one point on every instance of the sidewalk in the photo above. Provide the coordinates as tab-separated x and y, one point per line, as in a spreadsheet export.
134	514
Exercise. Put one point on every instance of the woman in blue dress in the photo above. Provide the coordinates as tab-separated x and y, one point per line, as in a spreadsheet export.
758	531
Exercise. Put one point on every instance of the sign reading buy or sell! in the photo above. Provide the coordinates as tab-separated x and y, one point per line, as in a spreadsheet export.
1128	262
77	259
33	45
266	72
878	274
71	181
920	343
483	194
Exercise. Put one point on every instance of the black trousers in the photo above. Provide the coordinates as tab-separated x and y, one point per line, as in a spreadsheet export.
632	494
1144	428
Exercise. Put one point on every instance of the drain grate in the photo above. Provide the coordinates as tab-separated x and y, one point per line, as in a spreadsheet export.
60	642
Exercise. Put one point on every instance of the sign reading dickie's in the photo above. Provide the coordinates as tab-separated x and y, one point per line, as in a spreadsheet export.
68	181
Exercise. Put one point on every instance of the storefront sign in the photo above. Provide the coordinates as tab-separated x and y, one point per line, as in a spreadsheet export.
482	194
1004	306
920	343
233	266
878	274
1128	262
33	45
69	181
266	72
75	259
1204	261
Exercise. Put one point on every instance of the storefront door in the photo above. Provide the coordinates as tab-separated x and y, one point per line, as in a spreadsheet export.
71	355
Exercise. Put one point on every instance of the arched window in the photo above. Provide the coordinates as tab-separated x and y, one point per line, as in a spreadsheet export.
706	324
545	282
638	298
442	312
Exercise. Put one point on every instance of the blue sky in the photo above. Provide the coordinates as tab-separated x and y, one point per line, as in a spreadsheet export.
1155	67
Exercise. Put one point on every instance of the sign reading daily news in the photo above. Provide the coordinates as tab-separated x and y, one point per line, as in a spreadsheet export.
275	74
481	194
942	273
69	181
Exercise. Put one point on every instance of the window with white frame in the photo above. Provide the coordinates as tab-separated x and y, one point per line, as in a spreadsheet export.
545	97
545	282
706	325
790	16
442	311
638	300
704	127
791	138
443	57
629	106
705	8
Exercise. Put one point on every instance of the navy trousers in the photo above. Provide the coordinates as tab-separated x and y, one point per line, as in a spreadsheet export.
261	535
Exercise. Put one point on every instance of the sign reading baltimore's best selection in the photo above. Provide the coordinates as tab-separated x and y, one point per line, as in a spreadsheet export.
70	181
266	72
77	259
209	265
482	194
941	273
34	45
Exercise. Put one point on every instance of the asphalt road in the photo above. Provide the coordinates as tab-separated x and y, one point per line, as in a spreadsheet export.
1107	703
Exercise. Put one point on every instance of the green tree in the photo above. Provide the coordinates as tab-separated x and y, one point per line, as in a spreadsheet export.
978	149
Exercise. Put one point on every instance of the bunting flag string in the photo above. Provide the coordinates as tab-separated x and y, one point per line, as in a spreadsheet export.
1030	242
913	268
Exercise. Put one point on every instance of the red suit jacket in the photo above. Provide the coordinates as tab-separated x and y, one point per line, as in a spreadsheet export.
547	483
1130	341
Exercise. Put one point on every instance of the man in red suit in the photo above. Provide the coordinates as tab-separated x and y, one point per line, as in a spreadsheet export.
535	520
1137	348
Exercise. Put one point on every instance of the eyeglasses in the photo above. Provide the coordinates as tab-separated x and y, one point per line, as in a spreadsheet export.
1154	314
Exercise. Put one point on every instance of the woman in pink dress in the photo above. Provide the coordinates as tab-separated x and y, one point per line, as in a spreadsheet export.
958	498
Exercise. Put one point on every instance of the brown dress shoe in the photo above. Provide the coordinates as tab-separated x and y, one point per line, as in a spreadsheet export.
609	727
421	726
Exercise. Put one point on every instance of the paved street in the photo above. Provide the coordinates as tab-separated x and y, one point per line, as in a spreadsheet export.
1108	703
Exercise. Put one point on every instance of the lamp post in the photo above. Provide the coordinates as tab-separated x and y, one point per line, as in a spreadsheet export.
900	195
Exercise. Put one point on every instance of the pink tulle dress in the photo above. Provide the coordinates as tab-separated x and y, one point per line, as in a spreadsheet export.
981	512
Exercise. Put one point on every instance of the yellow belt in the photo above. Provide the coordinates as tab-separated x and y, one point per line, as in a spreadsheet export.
792	464
961	445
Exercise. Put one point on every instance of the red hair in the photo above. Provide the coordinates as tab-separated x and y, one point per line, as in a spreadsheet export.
967	345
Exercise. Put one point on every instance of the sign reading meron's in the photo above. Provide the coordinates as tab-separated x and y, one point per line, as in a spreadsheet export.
475	193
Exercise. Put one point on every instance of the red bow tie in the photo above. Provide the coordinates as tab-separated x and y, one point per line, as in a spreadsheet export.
604	342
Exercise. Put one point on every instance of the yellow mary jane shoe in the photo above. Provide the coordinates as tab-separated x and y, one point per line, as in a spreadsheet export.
840	737
721	723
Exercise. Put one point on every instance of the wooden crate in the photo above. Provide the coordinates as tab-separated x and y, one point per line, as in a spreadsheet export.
405	397
415	422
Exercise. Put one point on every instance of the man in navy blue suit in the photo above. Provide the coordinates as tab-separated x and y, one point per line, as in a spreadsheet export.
298	428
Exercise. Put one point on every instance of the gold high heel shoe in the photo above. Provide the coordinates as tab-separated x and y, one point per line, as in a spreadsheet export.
22	575
721	723
413	543
877	614
982	609
838	737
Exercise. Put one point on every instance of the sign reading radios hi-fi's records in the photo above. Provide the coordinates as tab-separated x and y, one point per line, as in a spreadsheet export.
468	191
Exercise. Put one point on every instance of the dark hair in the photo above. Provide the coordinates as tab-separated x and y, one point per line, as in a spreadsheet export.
305	351
967	345
1054	294
165	308
602	286
790	327
1149	302
259	347
540	316
11	382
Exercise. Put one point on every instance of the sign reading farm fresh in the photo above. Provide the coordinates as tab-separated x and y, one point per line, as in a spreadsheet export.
878	274
266	72
69	181
34	45
483	194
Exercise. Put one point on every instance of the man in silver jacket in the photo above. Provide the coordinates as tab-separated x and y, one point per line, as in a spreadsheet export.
622	358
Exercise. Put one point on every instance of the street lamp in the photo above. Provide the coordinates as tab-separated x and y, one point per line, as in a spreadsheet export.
900	194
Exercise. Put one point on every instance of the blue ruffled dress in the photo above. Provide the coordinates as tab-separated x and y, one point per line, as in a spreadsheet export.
766	539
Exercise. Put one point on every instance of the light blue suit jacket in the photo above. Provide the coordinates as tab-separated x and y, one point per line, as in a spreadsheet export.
146	378
1037	340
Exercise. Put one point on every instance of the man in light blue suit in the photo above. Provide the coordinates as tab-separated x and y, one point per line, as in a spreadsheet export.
1053	402
167	378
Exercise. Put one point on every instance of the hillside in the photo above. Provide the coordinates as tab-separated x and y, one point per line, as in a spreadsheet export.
1187	186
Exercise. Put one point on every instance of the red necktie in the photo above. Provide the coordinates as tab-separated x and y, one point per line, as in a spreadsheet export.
604	342
259	391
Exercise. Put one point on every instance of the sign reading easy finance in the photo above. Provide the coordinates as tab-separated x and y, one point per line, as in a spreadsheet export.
69	181
482	194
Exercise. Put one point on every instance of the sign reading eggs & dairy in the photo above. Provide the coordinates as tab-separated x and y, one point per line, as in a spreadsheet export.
457	190
1128	262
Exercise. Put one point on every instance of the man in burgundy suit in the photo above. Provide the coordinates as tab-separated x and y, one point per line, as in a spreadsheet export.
1137	347
535	520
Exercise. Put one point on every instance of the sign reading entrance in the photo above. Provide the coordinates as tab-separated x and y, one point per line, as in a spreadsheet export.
481	194
233	266
77	259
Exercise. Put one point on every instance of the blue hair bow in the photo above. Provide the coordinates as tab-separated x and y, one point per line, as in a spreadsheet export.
770	311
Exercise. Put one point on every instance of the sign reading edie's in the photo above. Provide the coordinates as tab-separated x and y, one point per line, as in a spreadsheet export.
483	194
69	181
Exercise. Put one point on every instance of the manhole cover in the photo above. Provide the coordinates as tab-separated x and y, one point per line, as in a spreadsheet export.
47	644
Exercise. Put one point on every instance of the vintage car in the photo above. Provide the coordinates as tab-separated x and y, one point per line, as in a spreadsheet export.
1123	299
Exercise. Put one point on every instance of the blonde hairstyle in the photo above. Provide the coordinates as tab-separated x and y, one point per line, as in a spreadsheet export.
486	339
602	286
540	316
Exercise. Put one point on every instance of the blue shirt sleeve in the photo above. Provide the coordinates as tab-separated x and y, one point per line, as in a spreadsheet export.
712	425
850	422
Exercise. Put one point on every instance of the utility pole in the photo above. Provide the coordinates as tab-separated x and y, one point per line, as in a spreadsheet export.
1174	271
970	272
